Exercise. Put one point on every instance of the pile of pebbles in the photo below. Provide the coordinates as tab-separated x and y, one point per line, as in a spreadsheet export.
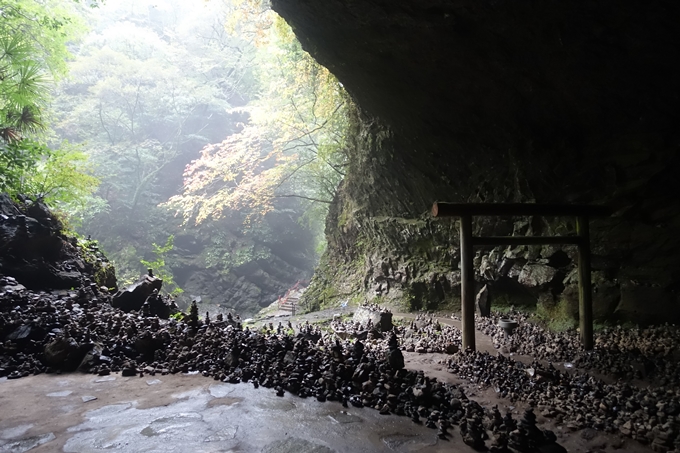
425	334
368	322
50	332
648	413
578	400
649	353
346	329
529	338
67	330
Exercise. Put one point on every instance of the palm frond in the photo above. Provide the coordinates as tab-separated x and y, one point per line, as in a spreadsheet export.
9	134
31	81
14	48
25	119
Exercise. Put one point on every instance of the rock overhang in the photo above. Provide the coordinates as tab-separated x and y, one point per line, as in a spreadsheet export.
481	73
504	101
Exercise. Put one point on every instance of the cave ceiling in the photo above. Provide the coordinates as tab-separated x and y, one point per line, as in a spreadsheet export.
487	76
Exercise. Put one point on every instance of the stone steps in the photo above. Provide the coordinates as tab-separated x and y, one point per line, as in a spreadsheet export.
290	304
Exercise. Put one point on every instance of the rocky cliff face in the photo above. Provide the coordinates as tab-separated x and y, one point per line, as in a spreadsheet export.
35	251
226	269
503	101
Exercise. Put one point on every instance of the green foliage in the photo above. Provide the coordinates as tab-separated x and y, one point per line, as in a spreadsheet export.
555	316
152	83
160	268
295	147
47	25
63	179
179	316
85	210
23	88
33	53
59	177
227	259
18	161
104	272
155	82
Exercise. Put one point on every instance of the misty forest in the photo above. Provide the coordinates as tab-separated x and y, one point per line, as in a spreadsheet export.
462	214
194	138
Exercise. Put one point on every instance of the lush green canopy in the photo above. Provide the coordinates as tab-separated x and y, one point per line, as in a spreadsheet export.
203	121
33	55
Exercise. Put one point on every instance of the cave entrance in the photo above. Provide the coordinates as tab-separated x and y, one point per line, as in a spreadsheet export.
466	211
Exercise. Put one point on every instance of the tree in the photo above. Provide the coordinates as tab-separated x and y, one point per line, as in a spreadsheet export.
159	267
33	38
23	89
294	147
152	84
33	54
158	81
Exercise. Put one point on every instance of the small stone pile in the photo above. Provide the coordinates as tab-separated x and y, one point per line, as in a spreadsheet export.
370	321
346	329
49	332
425	334
530	339
628	353
578	400
79	329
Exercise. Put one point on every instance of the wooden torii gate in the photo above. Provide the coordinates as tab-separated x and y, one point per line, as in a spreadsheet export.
466	212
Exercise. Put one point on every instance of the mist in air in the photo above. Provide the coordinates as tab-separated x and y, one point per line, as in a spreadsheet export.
217	141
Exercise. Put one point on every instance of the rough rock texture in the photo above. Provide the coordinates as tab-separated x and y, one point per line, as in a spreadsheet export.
380	319
503	101
134	296
34	250
225	269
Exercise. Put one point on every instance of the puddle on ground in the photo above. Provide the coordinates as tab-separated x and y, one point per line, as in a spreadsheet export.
186	425
276	405
240	419
195	393
295	445
224	401
60	394
221	390
105	379
110	409
16	431
171	425
226	433
407	443
345	417
23	445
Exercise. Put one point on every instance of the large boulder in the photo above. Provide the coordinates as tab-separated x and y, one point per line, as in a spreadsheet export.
157	306
66	353
380	318
34	250
647	305
134	296
483	302
535	275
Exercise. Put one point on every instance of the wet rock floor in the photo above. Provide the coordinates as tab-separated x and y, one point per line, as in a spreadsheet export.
180	413
190	413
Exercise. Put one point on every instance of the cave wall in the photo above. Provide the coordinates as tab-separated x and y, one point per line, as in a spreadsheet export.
503	101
